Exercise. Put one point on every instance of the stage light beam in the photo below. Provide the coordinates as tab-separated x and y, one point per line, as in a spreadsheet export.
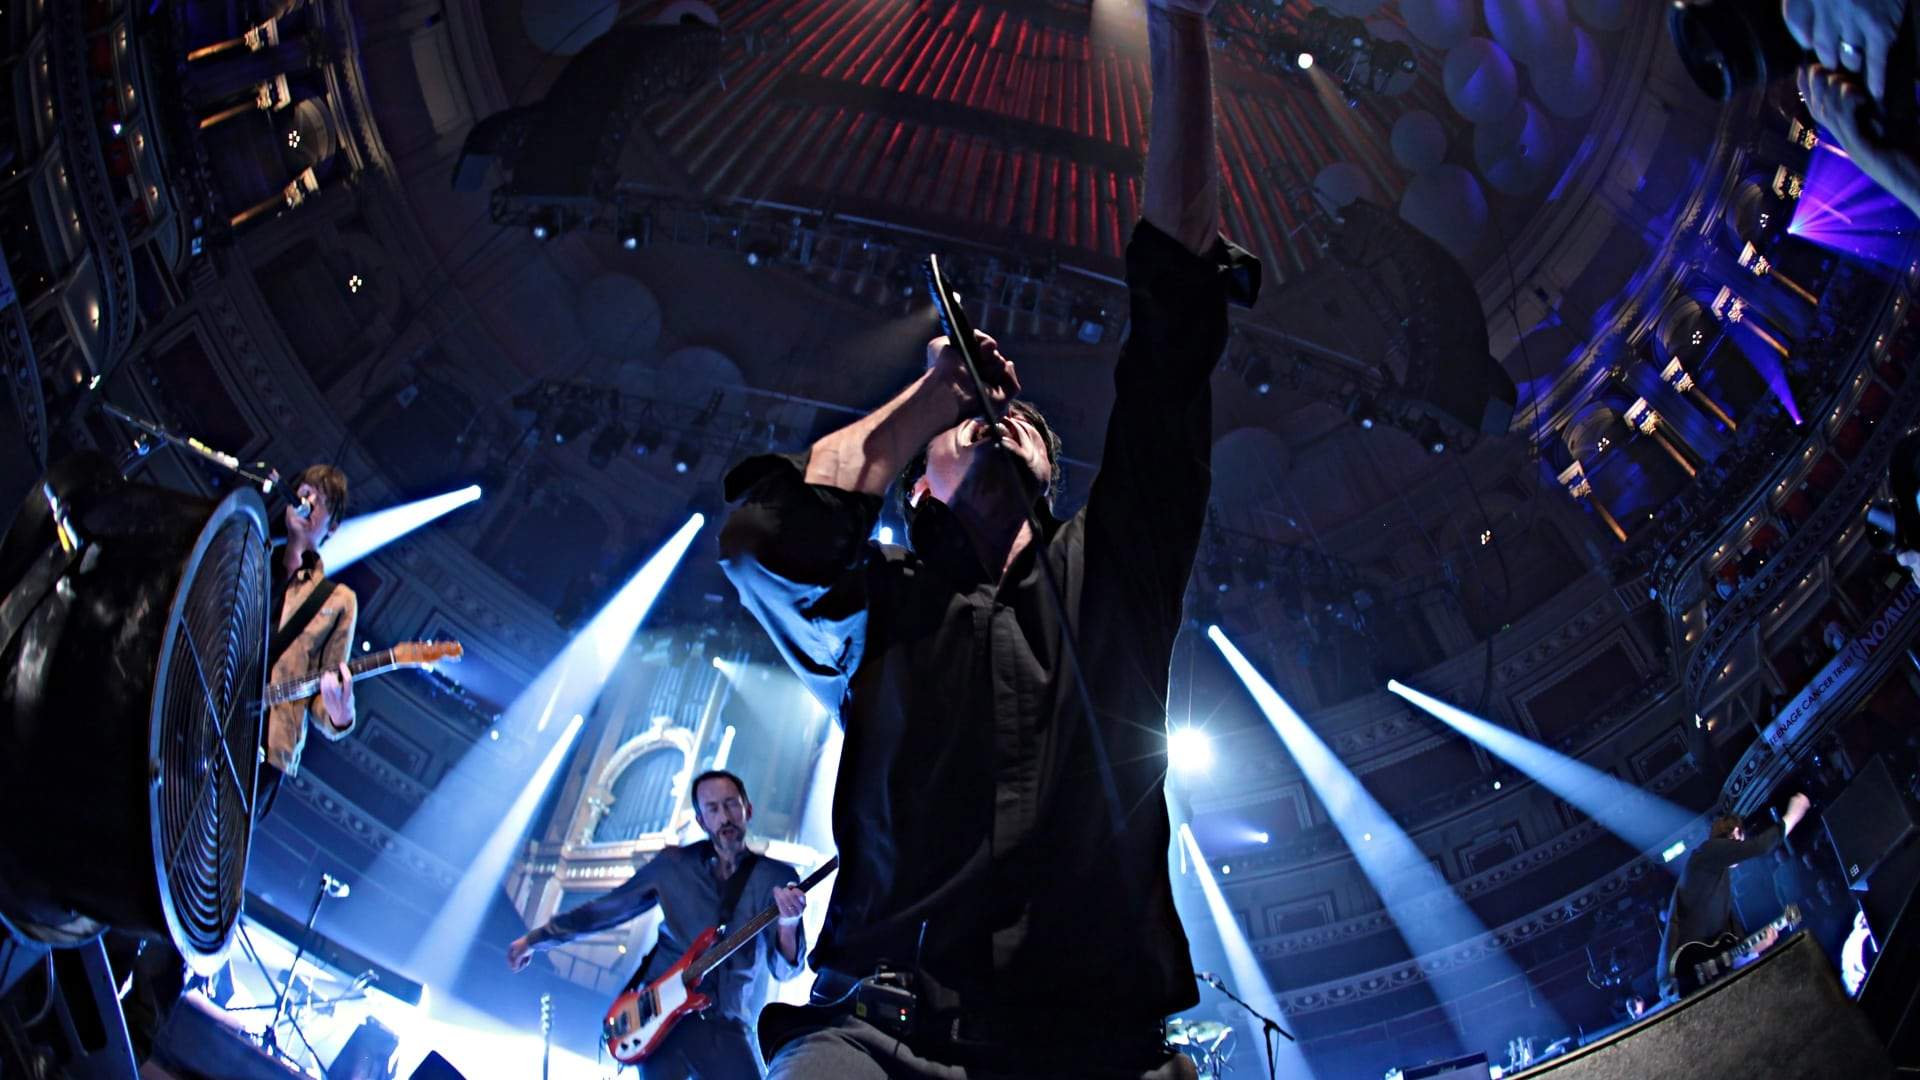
1426	912
1641	818
1242	965
448	938
361	536
461	823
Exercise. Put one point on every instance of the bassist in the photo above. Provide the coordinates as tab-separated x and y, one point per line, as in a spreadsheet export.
691	884
1702	905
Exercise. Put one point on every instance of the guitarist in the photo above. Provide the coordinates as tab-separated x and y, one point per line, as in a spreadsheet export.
1702	905
690	884
313	623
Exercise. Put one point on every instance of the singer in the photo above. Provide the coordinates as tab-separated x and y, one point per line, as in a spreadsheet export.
313	622
981	853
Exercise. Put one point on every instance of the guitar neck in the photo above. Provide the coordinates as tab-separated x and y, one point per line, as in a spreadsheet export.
733	942
378	663
1785	923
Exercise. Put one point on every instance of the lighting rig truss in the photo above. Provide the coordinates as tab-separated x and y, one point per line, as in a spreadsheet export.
1280	39
1025	294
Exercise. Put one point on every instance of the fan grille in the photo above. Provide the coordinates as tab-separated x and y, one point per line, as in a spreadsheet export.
207	731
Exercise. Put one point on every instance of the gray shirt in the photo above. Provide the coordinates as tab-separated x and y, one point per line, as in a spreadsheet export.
681	881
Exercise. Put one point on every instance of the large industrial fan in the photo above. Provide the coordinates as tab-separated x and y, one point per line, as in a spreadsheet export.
132	665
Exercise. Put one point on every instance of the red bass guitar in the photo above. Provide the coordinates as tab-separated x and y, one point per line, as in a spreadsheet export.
640	1019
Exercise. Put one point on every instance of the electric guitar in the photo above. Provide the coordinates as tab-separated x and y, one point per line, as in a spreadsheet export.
1698	963
640	1019
410	654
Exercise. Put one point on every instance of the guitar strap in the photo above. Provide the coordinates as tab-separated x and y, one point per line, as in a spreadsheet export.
730	894
735	887
294	627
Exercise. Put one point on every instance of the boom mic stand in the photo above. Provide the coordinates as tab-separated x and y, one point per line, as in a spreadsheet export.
260	478
1268	1028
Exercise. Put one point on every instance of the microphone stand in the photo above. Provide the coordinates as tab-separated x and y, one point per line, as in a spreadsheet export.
306	939
1268	1027
193	446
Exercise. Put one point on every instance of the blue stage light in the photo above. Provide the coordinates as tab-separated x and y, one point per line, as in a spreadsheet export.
1639	817
361	536
1427	913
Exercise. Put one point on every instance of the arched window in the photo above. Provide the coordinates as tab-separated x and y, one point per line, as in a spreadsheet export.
644	796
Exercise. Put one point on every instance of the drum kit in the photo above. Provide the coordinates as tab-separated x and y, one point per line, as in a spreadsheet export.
1208	1042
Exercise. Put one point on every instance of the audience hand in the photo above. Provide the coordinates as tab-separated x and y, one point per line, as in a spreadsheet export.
1848	35
1837	102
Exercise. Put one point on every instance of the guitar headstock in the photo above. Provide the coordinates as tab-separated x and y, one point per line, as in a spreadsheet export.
1790	917
426	653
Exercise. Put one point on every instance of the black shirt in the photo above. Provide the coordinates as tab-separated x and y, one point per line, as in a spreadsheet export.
1702	904
974	834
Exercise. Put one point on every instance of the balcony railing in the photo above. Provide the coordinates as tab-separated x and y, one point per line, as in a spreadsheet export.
1836	513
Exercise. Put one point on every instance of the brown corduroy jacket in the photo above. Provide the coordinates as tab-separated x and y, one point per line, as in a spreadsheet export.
321	646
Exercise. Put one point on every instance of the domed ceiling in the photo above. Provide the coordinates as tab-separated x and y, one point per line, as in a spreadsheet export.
589	252
1440	173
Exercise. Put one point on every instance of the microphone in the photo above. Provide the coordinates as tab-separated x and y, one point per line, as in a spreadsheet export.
335	888
305	510
1209	978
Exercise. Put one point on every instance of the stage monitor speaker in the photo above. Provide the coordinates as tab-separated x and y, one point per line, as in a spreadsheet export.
436	1067
1868	822
1784	1016
368	1054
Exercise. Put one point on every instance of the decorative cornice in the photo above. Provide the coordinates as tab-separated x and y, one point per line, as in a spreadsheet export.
1375	922
1385	980
347	816
1487	881
22	374
1575	631
92	189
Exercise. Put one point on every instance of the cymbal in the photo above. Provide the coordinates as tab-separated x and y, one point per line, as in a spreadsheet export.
1183	1032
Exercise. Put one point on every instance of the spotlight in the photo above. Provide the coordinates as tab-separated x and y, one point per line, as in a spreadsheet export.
606	444
637	232
759	254
1259	376
1263	837
1362	412
1090	322
1432	437
545	225
1189	750
685	456
572	422
645	443
1304	61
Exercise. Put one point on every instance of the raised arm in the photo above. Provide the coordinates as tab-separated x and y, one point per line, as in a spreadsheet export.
1148	503
1183	190
865	456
